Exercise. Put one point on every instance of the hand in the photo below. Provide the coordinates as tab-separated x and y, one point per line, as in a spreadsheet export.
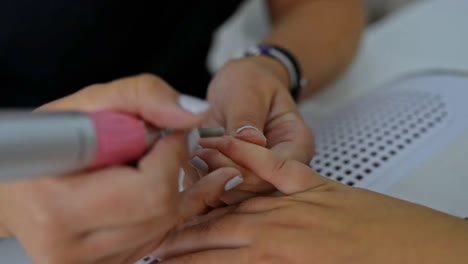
320	221
114	215
250	98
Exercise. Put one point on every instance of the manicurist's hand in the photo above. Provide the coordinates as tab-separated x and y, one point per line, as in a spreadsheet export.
250	97
118	214
319	221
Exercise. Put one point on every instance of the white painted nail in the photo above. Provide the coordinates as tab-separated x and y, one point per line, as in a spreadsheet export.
192	104
199	147
233	183
148	260
252	129
199	164
193	138
240	129
181	180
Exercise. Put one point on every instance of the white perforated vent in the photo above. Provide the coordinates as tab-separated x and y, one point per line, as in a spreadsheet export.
364	138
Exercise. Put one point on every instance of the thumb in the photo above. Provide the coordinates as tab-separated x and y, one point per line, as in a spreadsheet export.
288	176
247	121
146	96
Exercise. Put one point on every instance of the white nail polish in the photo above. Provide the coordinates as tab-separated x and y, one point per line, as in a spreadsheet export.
193	104
240	129
181	180
199	164
199	147
233	183
193	138
148	260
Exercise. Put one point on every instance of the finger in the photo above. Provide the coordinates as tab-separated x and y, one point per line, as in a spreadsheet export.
227	256
246	123
144	95
162	164
216	160
286	175
229	231
206	193
291	138
122	195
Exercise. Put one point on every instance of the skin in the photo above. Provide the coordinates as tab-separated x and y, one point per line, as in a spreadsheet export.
254	91
318	221
116	214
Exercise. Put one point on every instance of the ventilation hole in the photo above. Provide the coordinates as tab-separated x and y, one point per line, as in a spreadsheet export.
329	174
360	141
339	178
397	136
386	133
384	158
362	150
334	149
415	135
327	164
352	146
400	147
376	164
319	171
359	177
326	156
354	156
368	171
337	168
389	142
348	172
373	154
430	124
350	183
371	144
408	141
379	138
405	131
357	166
392	152
318	161
345	161
344	152
423	130
365	160
381	147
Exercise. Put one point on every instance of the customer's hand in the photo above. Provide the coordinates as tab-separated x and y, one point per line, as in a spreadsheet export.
250	97
320	221
117	214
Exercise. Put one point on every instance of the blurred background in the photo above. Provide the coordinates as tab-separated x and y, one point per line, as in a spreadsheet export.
379	8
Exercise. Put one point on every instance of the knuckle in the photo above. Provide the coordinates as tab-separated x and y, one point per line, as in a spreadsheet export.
280	166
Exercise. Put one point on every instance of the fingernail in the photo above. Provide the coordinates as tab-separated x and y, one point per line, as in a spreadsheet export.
192	104
233	183
181	180
148	260
199	164
246	130
193	138
198	147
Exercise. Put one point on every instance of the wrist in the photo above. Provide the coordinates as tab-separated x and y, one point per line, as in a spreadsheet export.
273	66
